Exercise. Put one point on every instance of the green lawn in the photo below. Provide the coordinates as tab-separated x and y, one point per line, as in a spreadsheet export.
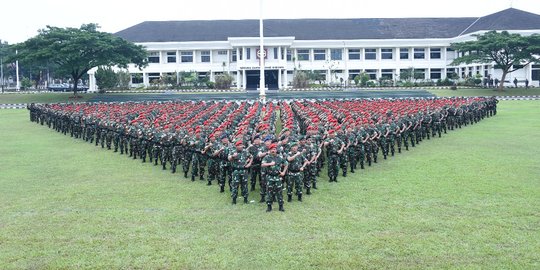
468	200
467	92
46	97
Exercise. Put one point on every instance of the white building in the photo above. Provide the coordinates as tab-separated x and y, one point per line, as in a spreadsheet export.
335	48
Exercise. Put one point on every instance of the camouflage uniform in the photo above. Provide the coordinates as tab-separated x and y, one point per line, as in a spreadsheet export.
295	177
274	185
239	173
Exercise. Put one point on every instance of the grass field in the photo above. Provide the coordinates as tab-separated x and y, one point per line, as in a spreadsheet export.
467	92
468	200
46	97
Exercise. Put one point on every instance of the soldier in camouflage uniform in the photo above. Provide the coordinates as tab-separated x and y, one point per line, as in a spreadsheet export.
343	157
352	149
334	147
213	161
255	170
198	160
276	167
166	150
295	171
240	160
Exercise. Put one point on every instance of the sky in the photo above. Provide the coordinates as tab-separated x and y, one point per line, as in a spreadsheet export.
21	19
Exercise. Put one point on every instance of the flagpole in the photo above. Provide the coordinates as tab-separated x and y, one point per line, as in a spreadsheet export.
262	55
2	74
18	85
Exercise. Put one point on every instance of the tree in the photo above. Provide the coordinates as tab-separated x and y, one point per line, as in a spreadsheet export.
124	79
223	81
5	53
106	78
509	52
74	51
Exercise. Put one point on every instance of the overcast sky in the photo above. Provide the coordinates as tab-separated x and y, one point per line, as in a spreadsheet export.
21	19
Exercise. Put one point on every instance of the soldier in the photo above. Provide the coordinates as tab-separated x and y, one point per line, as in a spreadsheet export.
198	161
352	149
343	158
213	162
276	167
255	170
334	147
295	171
240	162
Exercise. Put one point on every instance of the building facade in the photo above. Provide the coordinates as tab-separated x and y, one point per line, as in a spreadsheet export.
335	49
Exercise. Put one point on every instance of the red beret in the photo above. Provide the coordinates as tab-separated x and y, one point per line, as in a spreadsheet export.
239	142
272	146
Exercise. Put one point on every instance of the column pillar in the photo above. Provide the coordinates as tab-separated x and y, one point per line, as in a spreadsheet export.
238	85
244	79
145	79
279	76
285	78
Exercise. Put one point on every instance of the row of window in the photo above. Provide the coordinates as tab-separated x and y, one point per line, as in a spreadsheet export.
304	54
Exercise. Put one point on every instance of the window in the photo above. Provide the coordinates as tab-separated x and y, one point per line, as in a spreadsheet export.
233	56
303	55
319	54
387	74
154	78
419	53
435	53
289	55
419	74
435	73
387	54
222	52
241	54
248	53
450	54
171	57
370	54
153	57
276	53
336	54
354	54
136	78
372	73
404	53
451	73
353	73
186	57
205	56
320	75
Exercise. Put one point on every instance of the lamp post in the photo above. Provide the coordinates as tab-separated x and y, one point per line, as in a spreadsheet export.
262	55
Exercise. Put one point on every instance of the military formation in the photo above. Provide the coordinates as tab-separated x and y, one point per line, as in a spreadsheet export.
237	144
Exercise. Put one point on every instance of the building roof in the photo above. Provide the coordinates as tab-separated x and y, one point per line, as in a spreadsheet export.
329	29
508	19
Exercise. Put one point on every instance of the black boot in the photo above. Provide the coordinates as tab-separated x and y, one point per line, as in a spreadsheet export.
281	208
308	192
193	178
315	185
299	197
345	173
221	189
245	200
234	200
209	183
269	208
289	198
262	198
202	177
185	174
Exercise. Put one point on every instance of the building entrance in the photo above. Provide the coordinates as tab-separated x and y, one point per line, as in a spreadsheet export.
270	78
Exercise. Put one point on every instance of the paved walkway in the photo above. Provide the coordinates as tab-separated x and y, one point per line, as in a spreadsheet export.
270	95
